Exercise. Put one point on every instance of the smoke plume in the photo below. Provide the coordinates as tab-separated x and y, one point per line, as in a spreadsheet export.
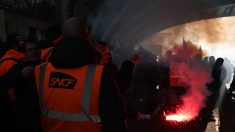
194	81
193	75
209	32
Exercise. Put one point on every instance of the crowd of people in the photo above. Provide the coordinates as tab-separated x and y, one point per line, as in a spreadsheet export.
68	82
150	91
74	61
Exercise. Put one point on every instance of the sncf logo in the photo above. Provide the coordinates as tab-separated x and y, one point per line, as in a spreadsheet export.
61	80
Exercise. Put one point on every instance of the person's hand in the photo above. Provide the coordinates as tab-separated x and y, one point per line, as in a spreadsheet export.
136	59
27	71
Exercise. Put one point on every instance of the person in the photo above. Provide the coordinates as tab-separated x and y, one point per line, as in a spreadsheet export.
206	60
7	94
18	77
217	75
214	88
14	54
32	52
124	75
211	61
53	36
76	91
12	57
24	68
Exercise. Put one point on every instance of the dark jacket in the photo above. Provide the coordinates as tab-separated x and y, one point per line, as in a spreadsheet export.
14	79
124	75
9	79
73	53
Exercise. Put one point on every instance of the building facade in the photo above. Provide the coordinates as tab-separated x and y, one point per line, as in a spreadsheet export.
29	18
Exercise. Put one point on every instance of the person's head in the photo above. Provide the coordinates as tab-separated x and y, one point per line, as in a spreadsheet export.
15	41
219	62
32	51
206	60
104	55
75	27
211	59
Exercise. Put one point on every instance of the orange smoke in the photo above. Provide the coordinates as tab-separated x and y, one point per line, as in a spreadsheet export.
215	36
212	31
209	34
187	50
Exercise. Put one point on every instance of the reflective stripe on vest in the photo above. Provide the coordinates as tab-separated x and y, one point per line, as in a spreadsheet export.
87	88
70	116
41	80
11	58
83	116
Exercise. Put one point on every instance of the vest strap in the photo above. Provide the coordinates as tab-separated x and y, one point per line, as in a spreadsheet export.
87	88
70	116
45	57
11	58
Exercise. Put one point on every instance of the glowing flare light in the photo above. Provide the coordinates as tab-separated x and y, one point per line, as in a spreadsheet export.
178	117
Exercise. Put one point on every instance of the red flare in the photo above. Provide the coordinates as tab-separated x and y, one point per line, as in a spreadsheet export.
178	117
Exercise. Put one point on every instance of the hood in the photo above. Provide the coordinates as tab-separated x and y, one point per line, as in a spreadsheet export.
72	52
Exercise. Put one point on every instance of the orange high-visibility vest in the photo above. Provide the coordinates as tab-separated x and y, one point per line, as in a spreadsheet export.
69	98
9	59
45	54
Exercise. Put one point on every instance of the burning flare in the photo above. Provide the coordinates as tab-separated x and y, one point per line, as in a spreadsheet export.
178	117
